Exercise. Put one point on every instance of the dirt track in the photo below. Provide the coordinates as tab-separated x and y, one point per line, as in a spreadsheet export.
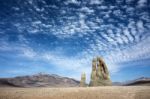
115	92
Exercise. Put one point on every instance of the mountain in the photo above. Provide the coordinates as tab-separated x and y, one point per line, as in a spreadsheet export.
39	80
142	81
47	80
116	83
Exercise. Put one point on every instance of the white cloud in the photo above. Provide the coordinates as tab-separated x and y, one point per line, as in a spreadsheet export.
102	7
82	62
135	52
128	35
129	1
36	22
142	3
20	48
30	1
16	8
27	52
72	2
145	16
87	10
119	1
130	11
140	26
117	13
96	2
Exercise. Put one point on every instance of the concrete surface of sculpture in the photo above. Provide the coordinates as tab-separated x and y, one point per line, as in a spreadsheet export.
83	80
100	74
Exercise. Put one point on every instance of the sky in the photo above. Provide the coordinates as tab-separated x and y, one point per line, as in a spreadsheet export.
63	36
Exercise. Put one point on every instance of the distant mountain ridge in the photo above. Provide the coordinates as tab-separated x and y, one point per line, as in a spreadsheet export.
39	80
142	81
139	81
53	80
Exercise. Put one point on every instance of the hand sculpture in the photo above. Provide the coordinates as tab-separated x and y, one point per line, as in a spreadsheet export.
100	73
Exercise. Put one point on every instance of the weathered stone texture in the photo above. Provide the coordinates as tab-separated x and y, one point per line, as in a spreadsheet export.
83	80
100	74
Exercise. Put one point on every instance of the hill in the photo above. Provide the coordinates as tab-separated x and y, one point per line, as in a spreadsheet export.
39	80
53	80
143	81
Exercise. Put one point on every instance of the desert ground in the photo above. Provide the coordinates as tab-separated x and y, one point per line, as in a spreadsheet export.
111	92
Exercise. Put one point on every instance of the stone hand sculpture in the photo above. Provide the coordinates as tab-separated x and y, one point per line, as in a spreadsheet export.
100	74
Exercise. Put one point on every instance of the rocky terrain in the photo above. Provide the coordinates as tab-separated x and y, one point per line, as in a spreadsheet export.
39	80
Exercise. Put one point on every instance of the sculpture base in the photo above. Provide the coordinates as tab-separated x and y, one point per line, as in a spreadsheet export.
101	83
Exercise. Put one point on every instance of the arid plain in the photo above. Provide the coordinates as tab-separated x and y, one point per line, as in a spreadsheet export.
109	92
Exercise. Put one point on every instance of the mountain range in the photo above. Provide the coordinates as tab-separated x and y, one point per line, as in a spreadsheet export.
142	81
39	80
53	80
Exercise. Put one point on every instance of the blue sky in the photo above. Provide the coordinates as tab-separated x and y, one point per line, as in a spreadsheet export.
63	36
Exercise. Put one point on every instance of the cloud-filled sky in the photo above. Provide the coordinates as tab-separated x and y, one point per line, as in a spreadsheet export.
63	36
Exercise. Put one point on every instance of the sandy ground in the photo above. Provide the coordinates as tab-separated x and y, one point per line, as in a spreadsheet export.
115	92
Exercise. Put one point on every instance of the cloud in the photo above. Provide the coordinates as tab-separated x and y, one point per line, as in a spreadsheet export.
129	1
128	35
140	26
96	2
130	10
74	21
135	52
142	3
119	1
117	33
87	10
80	63
72	2
28	53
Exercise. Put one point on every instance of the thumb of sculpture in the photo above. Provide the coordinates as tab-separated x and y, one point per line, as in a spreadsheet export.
83	80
